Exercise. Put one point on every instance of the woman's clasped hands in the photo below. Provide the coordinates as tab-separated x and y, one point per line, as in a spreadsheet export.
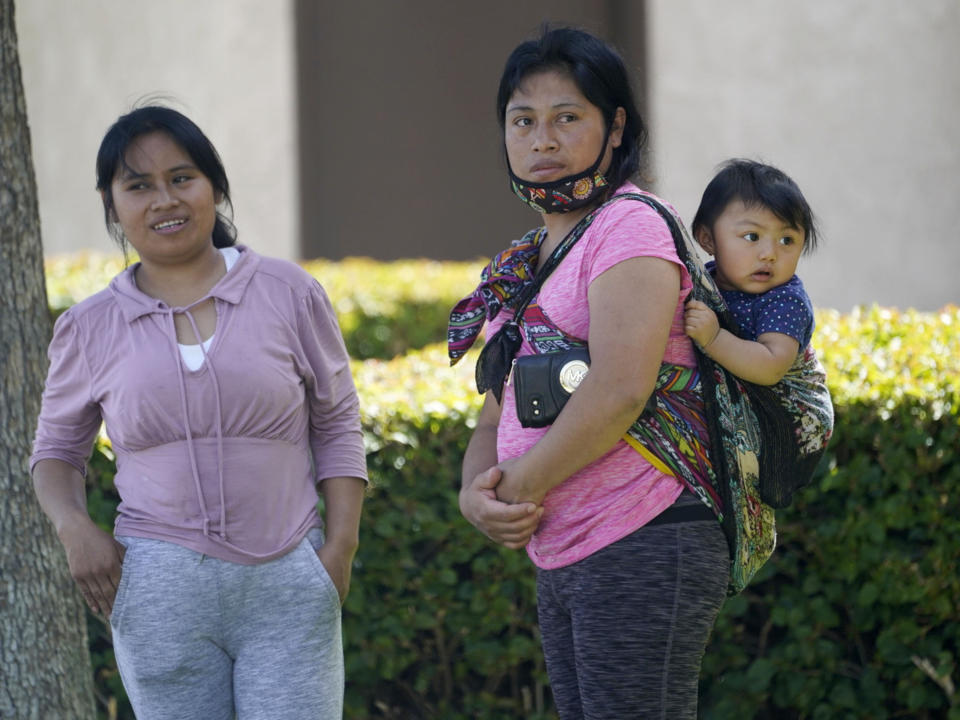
497	503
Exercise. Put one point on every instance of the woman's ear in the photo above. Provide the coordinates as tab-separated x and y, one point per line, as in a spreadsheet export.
617	126
705	239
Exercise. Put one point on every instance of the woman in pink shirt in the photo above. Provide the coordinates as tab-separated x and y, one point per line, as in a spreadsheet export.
225	388
632	564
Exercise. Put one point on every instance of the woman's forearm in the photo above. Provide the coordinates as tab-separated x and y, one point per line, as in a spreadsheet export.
481	453
93	556
61	492
510	525
343	503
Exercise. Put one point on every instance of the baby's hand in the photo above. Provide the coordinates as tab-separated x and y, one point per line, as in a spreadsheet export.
700	323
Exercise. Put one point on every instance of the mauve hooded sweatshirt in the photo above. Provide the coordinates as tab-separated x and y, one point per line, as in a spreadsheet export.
225	459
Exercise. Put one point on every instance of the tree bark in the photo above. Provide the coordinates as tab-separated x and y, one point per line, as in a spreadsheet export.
45	669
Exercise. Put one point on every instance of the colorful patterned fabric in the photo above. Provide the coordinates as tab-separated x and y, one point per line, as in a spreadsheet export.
542	334
749	523
800	407
800	402
672	433
803	392
506	275
562	196
566	194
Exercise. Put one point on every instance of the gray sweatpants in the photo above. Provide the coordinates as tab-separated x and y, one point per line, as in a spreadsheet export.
197	637
624	629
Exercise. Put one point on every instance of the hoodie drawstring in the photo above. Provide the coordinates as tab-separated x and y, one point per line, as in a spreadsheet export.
186	419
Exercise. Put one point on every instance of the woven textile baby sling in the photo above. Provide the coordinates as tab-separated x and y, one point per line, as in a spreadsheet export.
764	444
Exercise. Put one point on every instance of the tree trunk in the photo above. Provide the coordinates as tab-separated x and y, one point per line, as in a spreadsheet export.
45	667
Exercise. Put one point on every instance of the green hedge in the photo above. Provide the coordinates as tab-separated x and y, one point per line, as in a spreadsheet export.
384	309
856	615
388	308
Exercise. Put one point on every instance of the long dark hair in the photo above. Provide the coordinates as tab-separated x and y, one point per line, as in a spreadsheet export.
599	73
757	184
185	133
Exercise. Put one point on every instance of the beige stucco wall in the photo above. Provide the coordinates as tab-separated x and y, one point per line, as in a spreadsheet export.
858	100
228	63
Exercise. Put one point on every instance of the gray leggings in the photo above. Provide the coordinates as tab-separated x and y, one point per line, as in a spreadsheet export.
197	637
624	629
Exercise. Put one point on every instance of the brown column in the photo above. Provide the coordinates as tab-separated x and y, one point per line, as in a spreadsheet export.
401	153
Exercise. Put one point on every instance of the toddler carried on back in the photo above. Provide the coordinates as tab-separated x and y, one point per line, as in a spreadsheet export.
756	223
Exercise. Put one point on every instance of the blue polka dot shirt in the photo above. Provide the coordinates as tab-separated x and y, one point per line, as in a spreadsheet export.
785	309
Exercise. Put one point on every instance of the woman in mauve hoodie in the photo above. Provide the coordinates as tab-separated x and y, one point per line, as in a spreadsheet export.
225	388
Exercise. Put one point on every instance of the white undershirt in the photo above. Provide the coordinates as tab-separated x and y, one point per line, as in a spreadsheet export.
192	354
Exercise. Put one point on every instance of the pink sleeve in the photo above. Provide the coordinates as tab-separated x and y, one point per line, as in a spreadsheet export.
630	229
336	439
69	416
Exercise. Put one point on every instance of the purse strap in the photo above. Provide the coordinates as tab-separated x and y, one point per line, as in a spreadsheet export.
497	355
704	287
559	253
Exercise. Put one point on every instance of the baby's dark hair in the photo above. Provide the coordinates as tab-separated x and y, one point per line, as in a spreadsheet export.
757	184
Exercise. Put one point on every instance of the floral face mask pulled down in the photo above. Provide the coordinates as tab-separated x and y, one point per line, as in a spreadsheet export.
565	194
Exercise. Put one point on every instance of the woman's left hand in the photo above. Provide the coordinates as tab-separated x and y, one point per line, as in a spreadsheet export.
338	562
516	485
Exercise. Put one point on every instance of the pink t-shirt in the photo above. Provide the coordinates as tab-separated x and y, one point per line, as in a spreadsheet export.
619	492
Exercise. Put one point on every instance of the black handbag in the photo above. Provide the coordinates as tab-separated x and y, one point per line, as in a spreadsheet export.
542	384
